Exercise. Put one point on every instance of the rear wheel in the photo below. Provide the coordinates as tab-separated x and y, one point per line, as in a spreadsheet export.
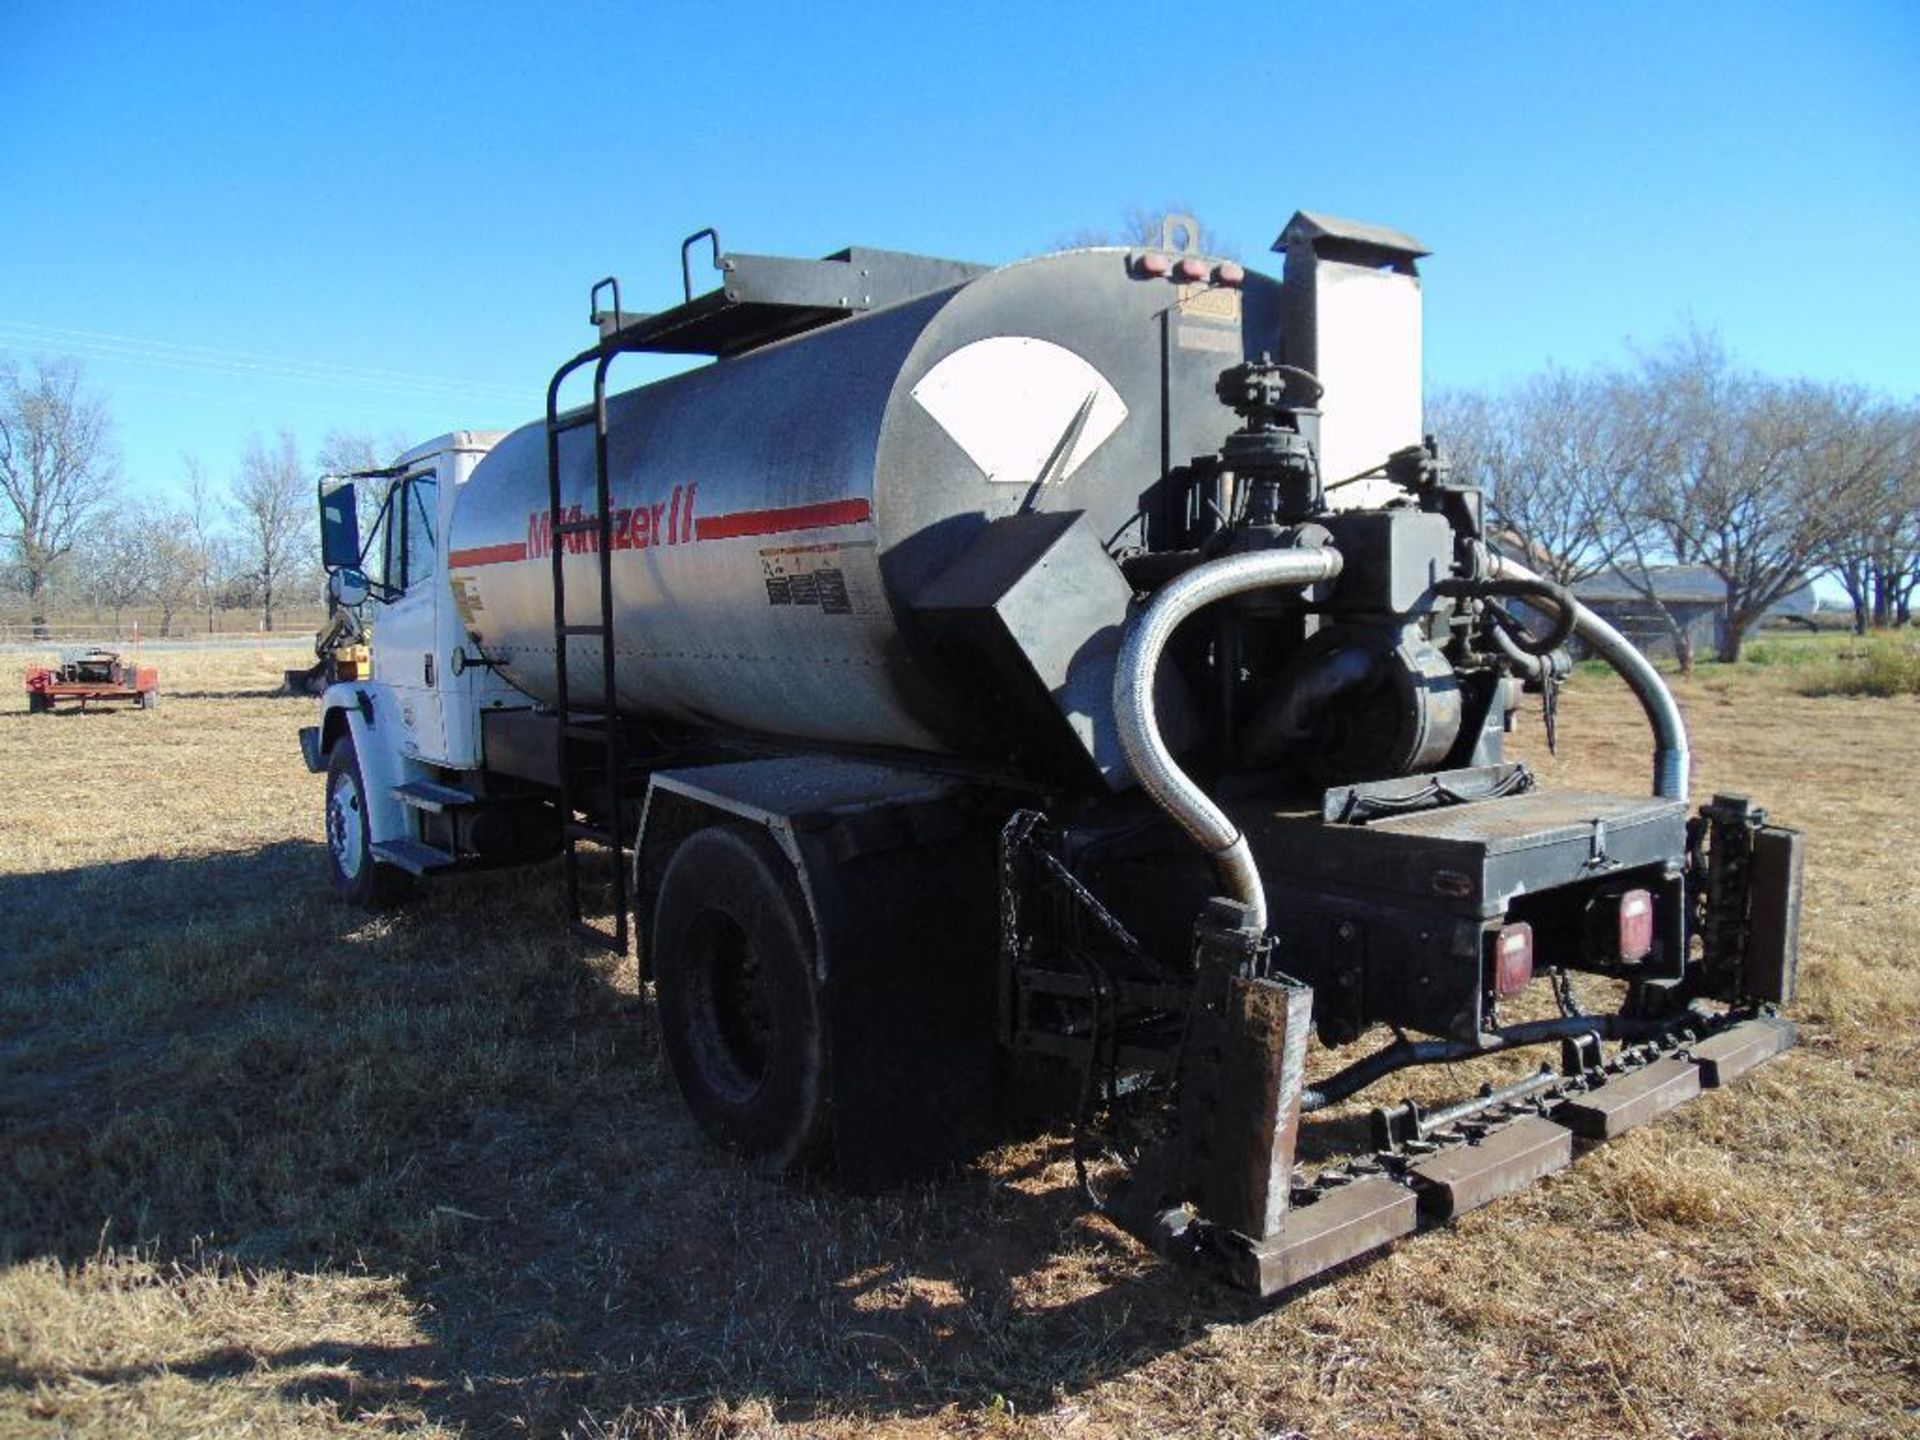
39	702
733	962
357	876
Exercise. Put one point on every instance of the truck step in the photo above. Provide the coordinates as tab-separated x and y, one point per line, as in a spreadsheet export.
413	856
1632	1099
426	795
1468	1176
1725	1057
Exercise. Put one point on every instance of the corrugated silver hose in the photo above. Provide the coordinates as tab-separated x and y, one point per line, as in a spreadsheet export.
1671	758
1153	765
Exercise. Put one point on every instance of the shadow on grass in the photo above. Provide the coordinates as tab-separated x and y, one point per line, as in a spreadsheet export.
212	1060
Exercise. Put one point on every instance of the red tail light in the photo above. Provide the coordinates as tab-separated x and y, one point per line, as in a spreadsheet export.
1636	925
1512	959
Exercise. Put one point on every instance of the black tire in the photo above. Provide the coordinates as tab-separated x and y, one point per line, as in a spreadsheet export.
39	703
357	876
733	964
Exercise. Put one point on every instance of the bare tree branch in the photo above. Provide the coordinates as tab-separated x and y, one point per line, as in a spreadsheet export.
273	506
57	468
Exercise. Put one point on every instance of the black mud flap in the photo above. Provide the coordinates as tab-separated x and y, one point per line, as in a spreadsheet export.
911	997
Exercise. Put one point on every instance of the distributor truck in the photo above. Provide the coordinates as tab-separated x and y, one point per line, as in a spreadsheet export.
1081	678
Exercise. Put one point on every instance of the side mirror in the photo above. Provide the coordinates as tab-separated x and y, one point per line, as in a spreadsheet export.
340	527
348	587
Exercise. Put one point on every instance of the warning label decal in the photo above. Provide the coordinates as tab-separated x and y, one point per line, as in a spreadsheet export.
833	579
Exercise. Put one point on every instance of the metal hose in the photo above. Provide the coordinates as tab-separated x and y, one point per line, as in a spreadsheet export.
1153	764
1671	758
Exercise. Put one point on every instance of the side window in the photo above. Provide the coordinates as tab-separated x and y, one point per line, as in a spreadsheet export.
422	505
392	527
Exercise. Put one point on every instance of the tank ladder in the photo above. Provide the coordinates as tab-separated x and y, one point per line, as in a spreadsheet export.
581	786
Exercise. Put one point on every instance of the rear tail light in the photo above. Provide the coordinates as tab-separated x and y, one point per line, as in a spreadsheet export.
1636	925
1512	959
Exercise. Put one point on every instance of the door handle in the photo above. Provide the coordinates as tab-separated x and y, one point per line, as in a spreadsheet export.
426	667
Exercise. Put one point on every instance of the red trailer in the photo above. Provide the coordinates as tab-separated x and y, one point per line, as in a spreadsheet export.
90	676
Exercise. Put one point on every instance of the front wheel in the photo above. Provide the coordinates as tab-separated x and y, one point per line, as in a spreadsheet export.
733	963
357	876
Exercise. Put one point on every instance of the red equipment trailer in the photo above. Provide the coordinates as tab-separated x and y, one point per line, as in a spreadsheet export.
91	676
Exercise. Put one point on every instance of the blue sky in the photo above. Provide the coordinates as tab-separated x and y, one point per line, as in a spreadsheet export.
387	217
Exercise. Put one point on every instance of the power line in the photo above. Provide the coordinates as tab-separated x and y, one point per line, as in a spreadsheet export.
215	355
27	337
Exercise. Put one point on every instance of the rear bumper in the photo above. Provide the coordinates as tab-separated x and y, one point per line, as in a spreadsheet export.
1391	921
1364	935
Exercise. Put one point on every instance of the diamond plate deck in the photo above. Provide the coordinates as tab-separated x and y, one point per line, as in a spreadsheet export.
1537	818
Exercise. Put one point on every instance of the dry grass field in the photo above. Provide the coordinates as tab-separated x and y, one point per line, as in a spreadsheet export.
270	1167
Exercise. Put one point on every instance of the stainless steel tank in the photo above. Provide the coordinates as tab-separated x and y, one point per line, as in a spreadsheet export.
778	512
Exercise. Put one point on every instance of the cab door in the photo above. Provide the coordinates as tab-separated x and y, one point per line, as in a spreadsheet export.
405	649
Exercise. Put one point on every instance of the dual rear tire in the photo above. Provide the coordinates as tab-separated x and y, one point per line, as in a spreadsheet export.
734	961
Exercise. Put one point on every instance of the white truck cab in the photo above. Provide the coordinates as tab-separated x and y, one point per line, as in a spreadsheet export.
420	653
395	746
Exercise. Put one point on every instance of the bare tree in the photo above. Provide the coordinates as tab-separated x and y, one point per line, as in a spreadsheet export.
1545	453
1754	478
56	469
212	552
174	563
273	507
116	564
1877	558
344	451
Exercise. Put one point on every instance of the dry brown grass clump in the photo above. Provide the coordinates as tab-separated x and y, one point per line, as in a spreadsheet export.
267	1166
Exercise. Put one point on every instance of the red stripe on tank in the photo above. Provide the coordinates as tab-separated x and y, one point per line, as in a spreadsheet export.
488	554
775	522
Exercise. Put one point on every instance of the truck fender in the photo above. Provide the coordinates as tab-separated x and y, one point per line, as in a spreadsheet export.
791	799
370	714
898	874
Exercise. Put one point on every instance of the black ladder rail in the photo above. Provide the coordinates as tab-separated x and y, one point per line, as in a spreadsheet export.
612	836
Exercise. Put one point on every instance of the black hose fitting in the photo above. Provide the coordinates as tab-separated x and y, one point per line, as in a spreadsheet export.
1559	603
